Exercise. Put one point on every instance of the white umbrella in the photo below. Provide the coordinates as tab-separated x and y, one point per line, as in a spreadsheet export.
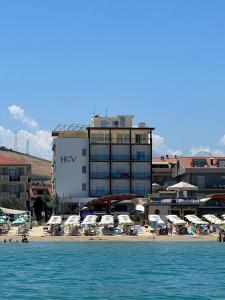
125	220
195	220
213	219
182	186
55	220
156	218
90	220
107	220
73	220
175	220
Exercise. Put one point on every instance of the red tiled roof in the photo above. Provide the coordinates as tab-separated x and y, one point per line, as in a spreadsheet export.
170	160
7	161
187	161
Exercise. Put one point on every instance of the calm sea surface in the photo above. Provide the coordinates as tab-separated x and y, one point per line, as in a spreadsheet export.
105	270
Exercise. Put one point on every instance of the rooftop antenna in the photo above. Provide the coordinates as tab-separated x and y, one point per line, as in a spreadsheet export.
28	148
16	141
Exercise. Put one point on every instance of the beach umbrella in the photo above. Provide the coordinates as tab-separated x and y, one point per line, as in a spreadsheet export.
182	186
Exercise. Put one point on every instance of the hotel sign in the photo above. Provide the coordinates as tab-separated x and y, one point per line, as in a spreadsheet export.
68	159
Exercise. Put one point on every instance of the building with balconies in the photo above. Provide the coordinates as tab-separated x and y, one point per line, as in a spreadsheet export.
14	183
110	157
207	173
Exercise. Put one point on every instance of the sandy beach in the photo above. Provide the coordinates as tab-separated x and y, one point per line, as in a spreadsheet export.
36	234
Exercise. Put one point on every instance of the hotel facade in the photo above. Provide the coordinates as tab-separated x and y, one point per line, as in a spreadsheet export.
110	157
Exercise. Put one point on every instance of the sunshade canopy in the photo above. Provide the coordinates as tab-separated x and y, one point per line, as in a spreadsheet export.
55	220
107	220
73	220
125	220
90	220
195	220
156	218
182	186
12	211
175	220
213	219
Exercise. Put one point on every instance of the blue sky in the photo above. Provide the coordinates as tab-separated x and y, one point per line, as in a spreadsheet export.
162	61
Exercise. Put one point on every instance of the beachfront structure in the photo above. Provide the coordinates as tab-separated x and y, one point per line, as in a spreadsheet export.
207	173
112	156
14	183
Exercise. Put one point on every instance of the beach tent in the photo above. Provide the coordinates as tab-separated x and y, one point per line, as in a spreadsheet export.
55	220
195	220
125	220
90	220
107	220
213	219
175	220
73	220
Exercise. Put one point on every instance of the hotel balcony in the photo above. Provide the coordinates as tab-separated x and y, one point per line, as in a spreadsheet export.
4	178
100	175
141	157
24	178
118	191
118	157
103	157
4	195
24	196
141	175
107	140
124	175
98	193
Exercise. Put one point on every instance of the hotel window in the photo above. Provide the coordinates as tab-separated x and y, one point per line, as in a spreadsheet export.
84	187
84	169
84	152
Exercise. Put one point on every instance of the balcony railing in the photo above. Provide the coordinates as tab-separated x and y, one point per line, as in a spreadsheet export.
98	193
24	178
106	140
124	175
23	195
141	175
4	195
99	175
120	191
121	157
4	178
103	157
141	157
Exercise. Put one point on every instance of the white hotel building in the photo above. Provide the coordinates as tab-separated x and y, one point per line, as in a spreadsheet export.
110	157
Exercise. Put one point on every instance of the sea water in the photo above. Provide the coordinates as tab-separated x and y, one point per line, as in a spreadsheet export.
112	270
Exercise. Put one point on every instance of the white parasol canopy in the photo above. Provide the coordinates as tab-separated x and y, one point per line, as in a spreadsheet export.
195	220
90	220
73	220
213	219
156	218
182	186
107	220
55	220
125	220
175	220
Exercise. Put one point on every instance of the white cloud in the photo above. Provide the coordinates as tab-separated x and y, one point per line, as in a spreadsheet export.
205	151
222	140
19	114
39	142
161	148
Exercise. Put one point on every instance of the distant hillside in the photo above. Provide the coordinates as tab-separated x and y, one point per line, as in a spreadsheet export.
41	168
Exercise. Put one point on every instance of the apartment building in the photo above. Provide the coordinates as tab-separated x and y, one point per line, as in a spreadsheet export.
14	183
207	173
112	156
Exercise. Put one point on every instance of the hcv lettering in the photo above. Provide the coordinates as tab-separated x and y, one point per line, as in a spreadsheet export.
68	159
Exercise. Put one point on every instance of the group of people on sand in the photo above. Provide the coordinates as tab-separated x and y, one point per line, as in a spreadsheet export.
24	239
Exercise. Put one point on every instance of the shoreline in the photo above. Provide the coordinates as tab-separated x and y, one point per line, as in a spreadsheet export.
144	238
